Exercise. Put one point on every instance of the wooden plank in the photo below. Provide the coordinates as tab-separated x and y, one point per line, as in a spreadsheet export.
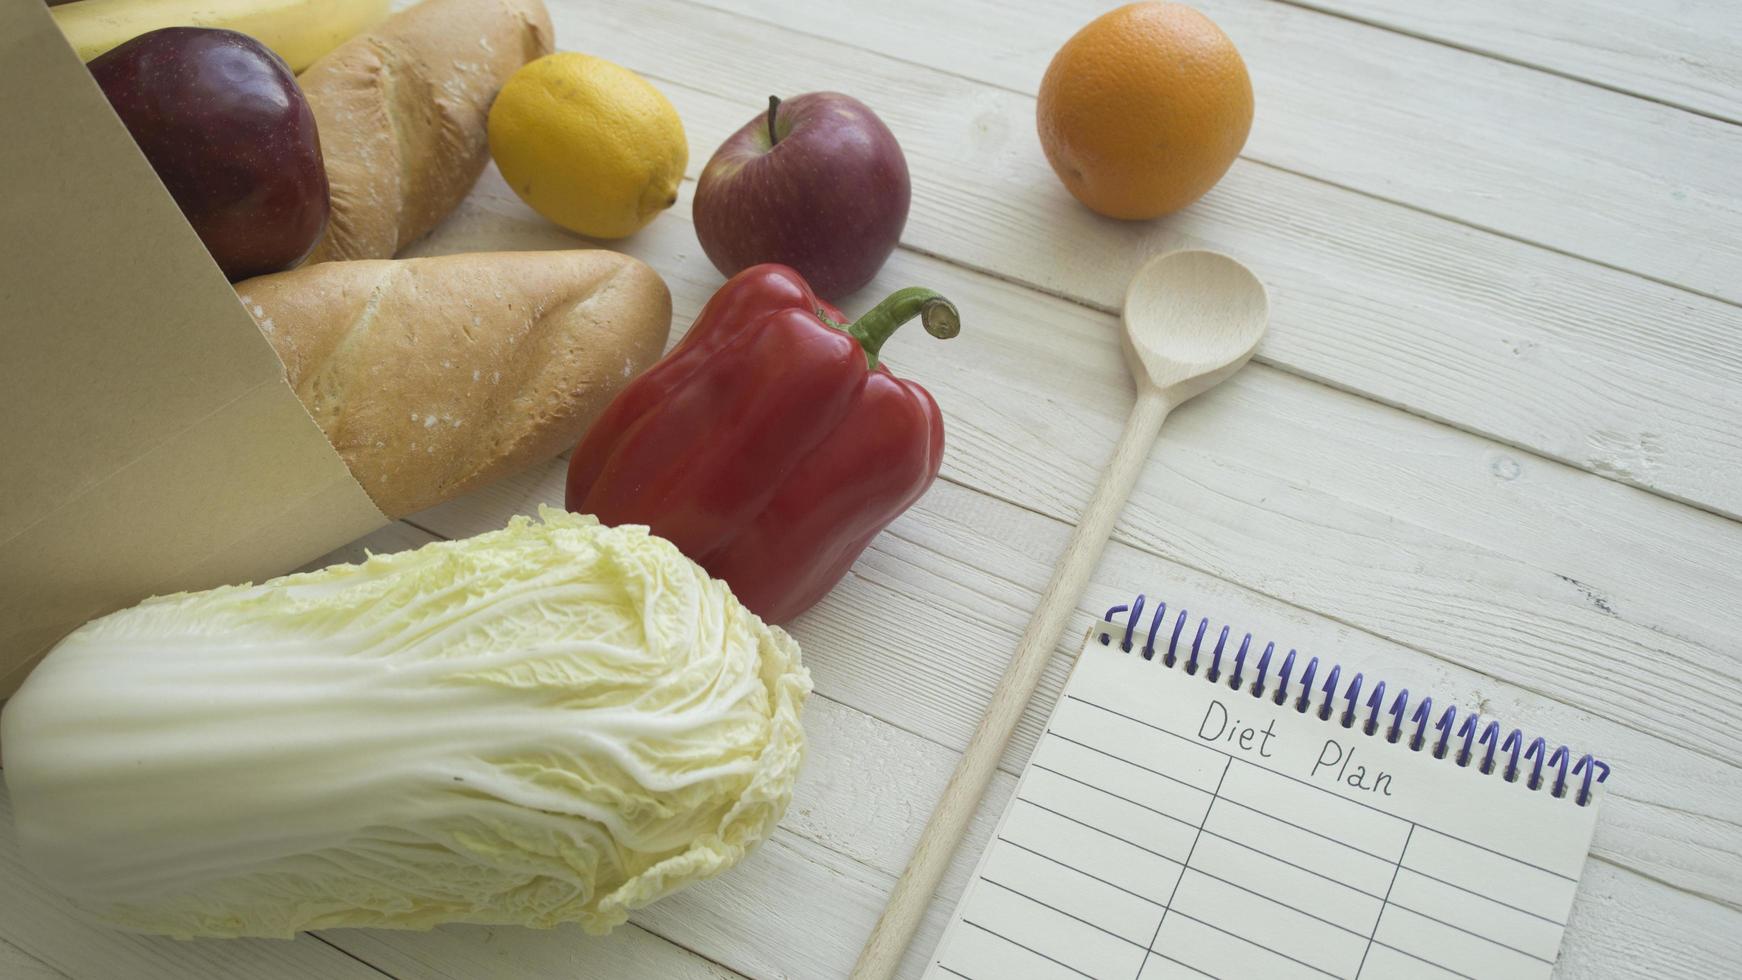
1587	365
1416	532
1544	159
468	952
944	597
862	808
800	905
945	590
47	928
16	964
1680	52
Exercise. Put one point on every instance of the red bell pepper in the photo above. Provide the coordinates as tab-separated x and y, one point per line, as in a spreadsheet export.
770	445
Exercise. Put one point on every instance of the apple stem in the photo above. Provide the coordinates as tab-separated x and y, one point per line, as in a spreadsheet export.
773	107
877	325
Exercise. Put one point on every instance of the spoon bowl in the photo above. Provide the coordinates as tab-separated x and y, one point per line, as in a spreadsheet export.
1192	318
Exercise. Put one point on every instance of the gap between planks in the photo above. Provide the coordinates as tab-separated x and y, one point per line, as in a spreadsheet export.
1618	474
1292	370
1260	161
1009	766
1316	378
692	284
317	937
1140	548
1600	437
1514	60
1136	544
1669	51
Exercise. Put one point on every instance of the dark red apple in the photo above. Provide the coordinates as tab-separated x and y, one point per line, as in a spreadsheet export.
229	133
817	183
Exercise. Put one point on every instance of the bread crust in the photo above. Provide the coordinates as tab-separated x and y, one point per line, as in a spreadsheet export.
402	112
434	376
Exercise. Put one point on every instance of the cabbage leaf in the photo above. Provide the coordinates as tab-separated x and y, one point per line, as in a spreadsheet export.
553	722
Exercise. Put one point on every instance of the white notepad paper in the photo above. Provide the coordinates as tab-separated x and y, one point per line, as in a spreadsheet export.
1168	826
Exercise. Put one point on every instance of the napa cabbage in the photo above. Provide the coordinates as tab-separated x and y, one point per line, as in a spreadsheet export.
554	722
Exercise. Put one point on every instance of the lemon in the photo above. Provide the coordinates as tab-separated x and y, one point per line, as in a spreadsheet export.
588	144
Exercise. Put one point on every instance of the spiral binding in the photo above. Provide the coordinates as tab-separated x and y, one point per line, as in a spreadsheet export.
1471	735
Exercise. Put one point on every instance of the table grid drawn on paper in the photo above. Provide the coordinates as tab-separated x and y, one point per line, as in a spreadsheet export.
1168	827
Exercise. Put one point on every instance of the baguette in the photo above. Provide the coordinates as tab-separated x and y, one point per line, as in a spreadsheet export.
434	376
402	110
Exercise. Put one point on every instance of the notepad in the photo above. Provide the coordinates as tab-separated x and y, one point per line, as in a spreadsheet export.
1199	808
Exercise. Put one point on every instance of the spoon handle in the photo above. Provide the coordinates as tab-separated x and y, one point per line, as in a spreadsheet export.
955	809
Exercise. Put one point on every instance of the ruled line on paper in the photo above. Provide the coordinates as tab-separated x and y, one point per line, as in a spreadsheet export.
1098	830
1198	871
1078	864
1253	942
1422	959
1276	901
1395	868
1031	949
1572	878
1180	962
1184	915
1204	830
1045	905
1187	866
1230	840
1087	874
1192	741
1256	850
1263	813
1467	932
1308	830
1108	792
1471	891
1136	765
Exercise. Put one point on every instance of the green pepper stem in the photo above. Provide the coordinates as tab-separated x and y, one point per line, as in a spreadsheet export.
773	107
874	328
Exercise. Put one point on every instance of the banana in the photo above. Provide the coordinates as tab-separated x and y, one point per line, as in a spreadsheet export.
300	31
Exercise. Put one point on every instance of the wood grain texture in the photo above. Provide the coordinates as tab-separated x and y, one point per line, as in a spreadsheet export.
472	952
1493	145
1685	53
1010	699
941	592
1191	319
1445	511
946	588
16	964
1503	542
1449	543
1533	348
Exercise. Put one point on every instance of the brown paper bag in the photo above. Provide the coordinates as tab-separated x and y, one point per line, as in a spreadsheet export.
148	440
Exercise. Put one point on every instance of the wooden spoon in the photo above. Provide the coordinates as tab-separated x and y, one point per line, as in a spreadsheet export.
1192	318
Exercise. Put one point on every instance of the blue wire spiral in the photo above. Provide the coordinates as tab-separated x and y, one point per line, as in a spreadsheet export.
1472	733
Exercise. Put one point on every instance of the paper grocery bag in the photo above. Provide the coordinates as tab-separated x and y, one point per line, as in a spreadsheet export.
148	440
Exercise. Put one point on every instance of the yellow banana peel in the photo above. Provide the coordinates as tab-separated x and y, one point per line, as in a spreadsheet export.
300	31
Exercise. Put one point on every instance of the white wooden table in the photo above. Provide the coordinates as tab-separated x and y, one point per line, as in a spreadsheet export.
1492	445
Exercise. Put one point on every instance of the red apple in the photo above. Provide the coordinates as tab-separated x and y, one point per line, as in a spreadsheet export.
817	183
229	133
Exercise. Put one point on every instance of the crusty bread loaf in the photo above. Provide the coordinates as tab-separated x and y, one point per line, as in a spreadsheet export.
433	376
402	109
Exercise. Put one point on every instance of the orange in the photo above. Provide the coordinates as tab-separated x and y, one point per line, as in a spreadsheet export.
1144	109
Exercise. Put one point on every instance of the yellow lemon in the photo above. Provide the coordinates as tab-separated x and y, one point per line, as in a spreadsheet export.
588	144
